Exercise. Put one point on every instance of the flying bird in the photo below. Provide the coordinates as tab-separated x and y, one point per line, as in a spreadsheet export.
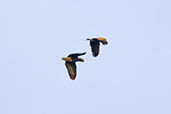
71	65
95	45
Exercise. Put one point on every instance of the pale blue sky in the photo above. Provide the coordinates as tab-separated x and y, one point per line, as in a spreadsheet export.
132	74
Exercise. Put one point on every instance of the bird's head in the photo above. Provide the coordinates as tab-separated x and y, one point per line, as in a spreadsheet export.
69	59
91	39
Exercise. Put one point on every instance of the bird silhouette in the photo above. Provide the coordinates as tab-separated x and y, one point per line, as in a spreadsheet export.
70	63
95	45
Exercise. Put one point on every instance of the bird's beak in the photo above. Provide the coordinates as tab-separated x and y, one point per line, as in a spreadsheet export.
67	59
63	58
90	39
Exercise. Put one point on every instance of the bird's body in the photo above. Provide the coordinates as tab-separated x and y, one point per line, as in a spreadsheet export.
70	64
95	45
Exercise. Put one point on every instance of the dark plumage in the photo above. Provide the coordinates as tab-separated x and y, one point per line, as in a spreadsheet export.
70	64
95	45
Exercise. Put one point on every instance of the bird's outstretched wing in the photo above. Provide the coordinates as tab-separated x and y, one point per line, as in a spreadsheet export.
95	48
103	41
72	69
76	54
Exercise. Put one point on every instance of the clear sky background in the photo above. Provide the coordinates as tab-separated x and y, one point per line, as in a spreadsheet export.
132	74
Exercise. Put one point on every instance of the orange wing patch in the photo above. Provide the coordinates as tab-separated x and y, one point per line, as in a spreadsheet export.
103	40
100	38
